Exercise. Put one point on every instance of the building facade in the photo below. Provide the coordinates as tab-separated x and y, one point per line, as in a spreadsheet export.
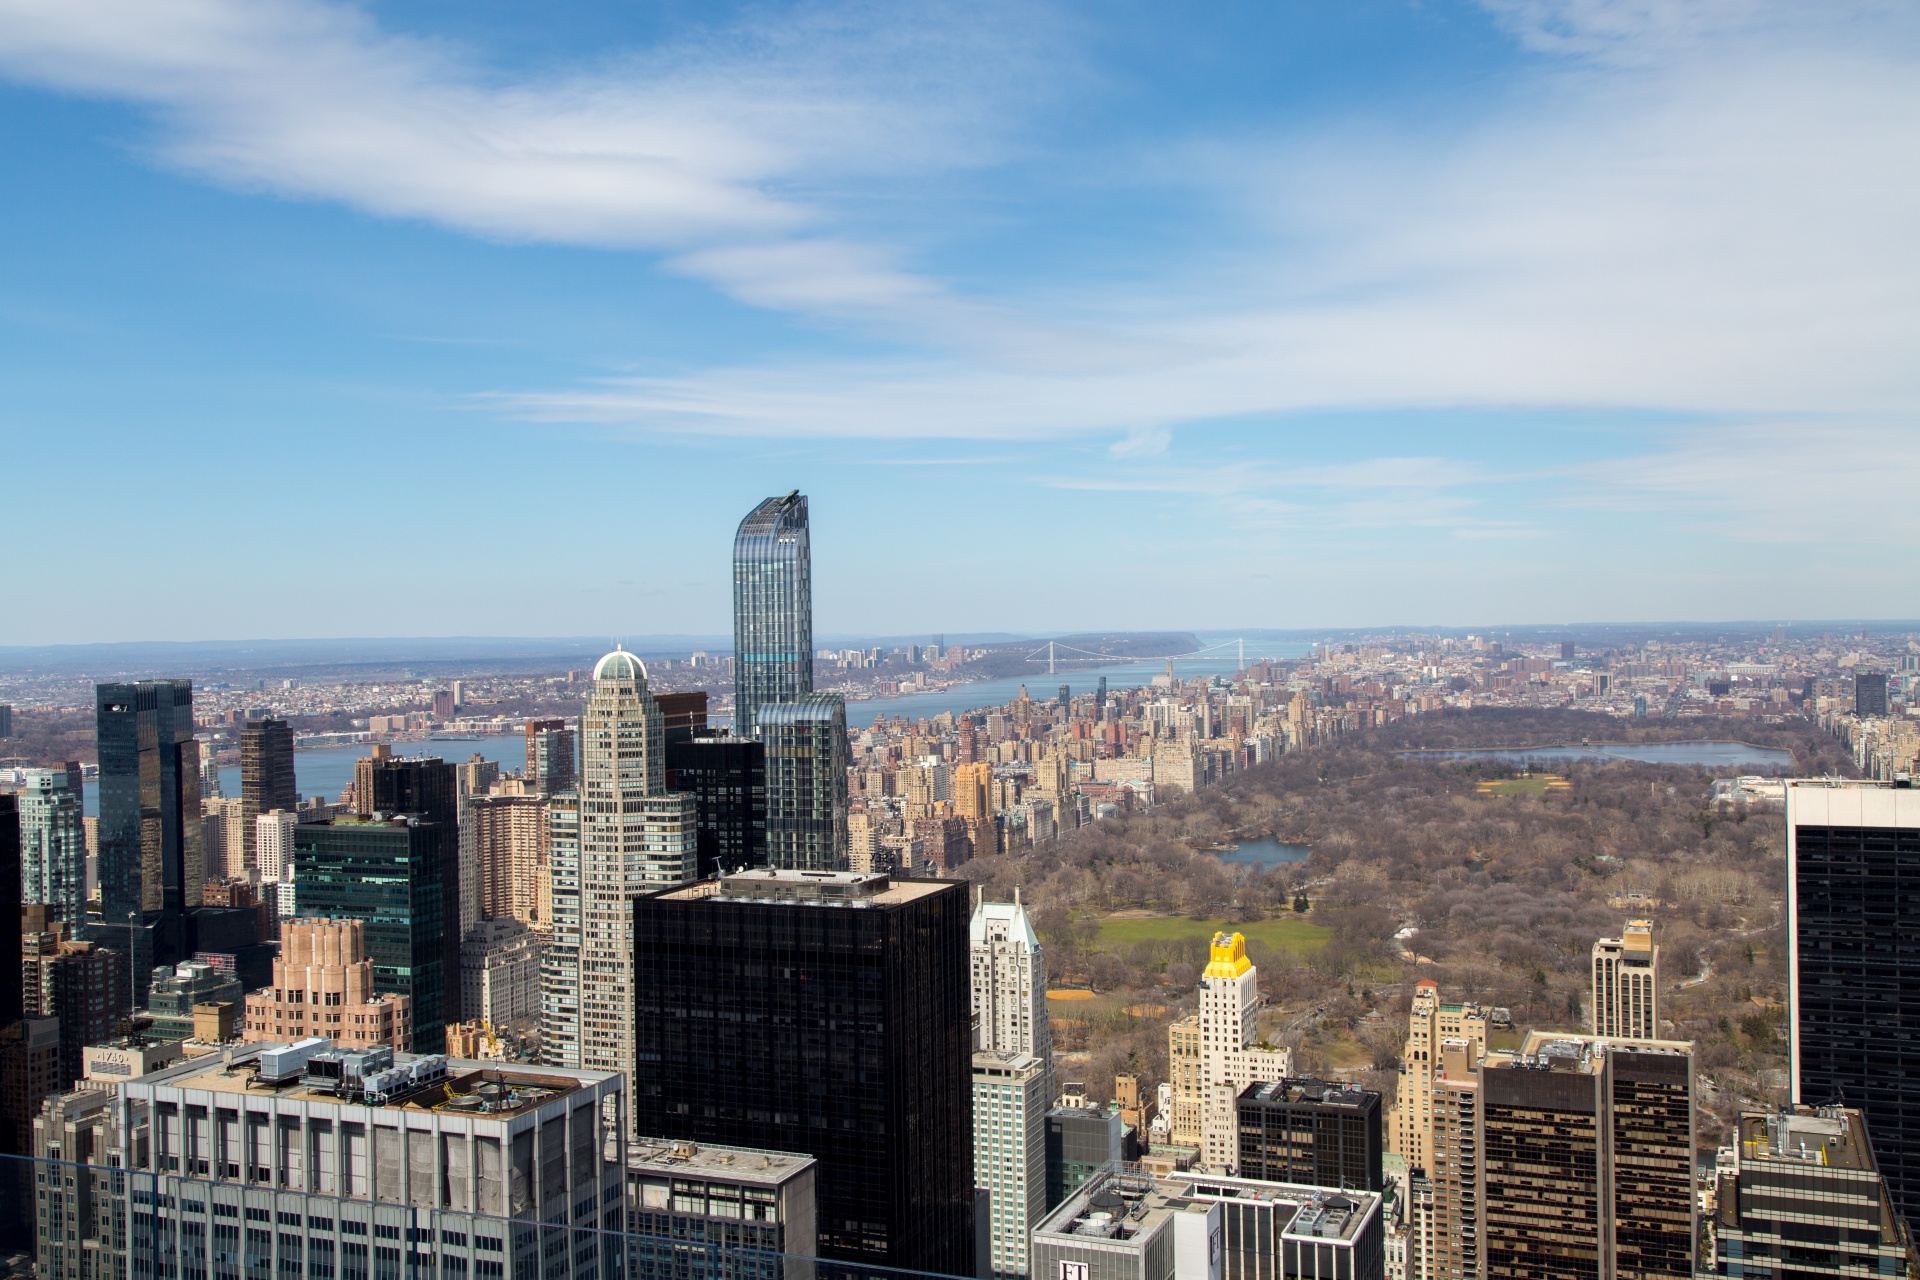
724	1213
266	780
316	1161
386	873
1082	1143
1626	984
323	986
53	844
1587	1159
727	777
880	1096
560	961
1009	981
1853	903
1312	1132
429	787
552	759
82	985
806	761
772	610
500	971
1012	1092
510	838
1230	1060
80	1231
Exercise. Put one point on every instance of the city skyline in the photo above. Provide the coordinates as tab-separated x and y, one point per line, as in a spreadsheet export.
1333	296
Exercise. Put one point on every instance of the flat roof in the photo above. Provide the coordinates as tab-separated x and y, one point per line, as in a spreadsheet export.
673	1159
470	1088
809	889
1135	1205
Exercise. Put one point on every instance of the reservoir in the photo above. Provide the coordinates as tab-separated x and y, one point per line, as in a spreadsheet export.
1709	755
1264	852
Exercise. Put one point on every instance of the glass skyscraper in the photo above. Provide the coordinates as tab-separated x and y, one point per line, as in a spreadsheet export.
1853	905
806	743
772	610
53	845
151	858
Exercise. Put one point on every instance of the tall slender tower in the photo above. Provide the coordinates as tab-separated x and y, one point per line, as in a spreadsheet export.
772	609
266	780
1229	1058
635	837
53	846
1626	984
1012	1077
152	850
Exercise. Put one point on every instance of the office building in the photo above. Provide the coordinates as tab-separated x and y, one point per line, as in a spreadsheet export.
1230	1060
731	1213
1082	1142
1012	1092
1186	1110
386	872
179	992
973	805
880	1098
560	961
500	971
1626	984
266	779
81	985
80	1231
323	987
1587	1159
551	760
806	755
1803	1198
1853	925
1317	1133
429	787
1870	693
29	1075
683	716
222	839
1124	1225
772	610
6	720
727	777
634	836
1435	1133
508	856
273	846
53	844
325	1161
152	855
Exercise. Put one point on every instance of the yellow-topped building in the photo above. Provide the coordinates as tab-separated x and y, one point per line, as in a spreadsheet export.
1229	1060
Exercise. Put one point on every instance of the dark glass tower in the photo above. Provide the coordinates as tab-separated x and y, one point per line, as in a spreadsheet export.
772	609
806	744
388	874
1317	1133
1870	693
728	779
430	787
828	1014
152	863
1853	898
266	778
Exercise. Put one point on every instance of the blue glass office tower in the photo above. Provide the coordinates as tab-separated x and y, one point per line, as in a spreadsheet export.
152	862
806	746
772	610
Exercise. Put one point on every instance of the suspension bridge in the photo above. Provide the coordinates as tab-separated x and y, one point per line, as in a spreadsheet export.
1055	654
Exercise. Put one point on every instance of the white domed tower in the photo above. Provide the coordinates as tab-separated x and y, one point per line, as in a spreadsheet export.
635	837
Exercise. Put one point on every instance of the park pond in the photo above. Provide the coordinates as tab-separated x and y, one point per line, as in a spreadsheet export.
1711	755
1264	852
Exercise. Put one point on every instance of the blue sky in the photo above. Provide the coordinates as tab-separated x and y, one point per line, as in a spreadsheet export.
429	318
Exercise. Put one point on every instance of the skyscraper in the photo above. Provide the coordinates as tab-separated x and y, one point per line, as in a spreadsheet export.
152	861
772	609
53	845
551	764
635	836
266	781
806	752
386	873
430	787
1853	902
1316	1133
1434	1133
1587	1159
1626	984
82	985
824	1013
1012	1076
1229	1058
727	777
323	985
1870	693
560	962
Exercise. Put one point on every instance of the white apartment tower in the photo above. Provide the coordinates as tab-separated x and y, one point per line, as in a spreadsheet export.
1012	1078
1009	982
1626	983
635	836
1229	1059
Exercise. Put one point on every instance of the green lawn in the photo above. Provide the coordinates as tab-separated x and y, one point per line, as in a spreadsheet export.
1537	785
1292	933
